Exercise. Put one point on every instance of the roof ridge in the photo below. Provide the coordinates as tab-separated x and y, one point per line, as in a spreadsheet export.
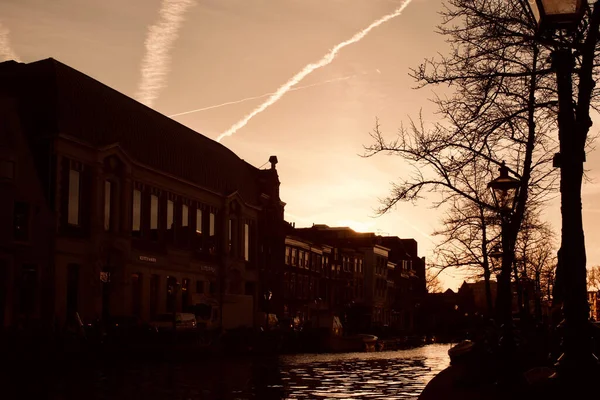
58	64
97	114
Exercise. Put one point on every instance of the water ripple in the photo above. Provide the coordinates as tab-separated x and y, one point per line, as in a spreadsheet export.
352	376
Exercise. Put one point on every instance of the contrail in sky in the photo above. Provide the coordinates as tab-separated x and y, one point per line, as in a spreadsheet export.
262	95
6	51
327	59
155	64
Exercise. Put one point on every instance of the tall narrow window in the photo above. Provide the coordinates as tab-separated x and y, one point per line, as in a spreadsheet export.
230	236
107	197
136	294
28	289
136	228
185	219
72	288
246	242
154	288
171	294
211	224
21	222
73	208
154	217
185	293
169	215
199	221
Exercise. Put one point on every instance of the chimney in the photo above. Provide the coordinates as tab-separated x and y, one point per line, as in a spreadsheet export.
273	161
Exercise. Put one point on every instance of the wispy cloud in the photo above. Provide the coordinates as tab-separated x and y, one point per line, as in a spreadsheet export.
228	103
160	39
325	60
6	50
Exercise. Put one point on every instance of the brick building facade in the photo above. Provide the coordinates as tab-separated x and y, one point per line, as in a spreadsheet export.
129	211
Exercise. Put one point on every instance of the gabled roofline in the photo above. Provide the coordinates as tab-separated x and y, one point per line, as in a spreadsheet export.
236	195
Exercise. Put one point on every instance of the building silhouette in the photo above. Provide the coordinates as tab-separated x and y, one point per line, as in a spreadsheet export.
111	208
372	281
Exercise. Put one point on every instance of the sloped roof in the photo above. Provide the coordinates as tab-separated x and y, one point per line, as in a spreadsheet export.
57	99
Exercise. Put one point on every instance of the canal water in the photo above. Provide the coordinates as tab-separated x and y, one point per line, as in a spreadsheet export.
383	375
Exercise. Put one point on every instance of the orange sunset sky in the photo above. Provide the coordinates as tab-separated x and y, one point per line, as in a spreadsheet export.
219	57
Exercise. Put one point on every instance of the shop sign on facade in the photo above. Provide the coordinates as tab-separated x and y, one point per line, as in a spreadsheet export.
208	268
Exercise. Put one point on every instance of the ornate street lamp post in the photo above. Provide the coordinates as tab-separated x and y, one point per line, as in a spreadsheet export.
505	190
565	16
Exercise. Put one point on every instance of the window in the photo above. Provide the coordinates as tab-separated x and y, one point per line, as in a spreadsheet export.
199	221
230	235
171	294
107	196
246	242
211	225
136	294
169	215
73	207
199	287
21	222
28	288
137	213
294	255
288	255
185	293
72	288
212	287
185	219
154	282
154	217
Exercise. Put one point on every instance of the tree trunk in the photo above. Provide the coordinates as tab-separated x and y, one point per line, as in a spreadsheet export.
519	289
488	290
538	294
574	291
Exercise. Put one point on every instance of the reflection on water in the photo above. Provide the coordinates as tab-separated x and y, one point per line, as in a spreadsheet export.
384	375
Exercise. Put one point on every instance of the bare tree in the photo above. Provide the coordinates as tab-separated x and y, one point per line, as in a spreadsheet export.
536	258
503	109
466	239
593	278
432	281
